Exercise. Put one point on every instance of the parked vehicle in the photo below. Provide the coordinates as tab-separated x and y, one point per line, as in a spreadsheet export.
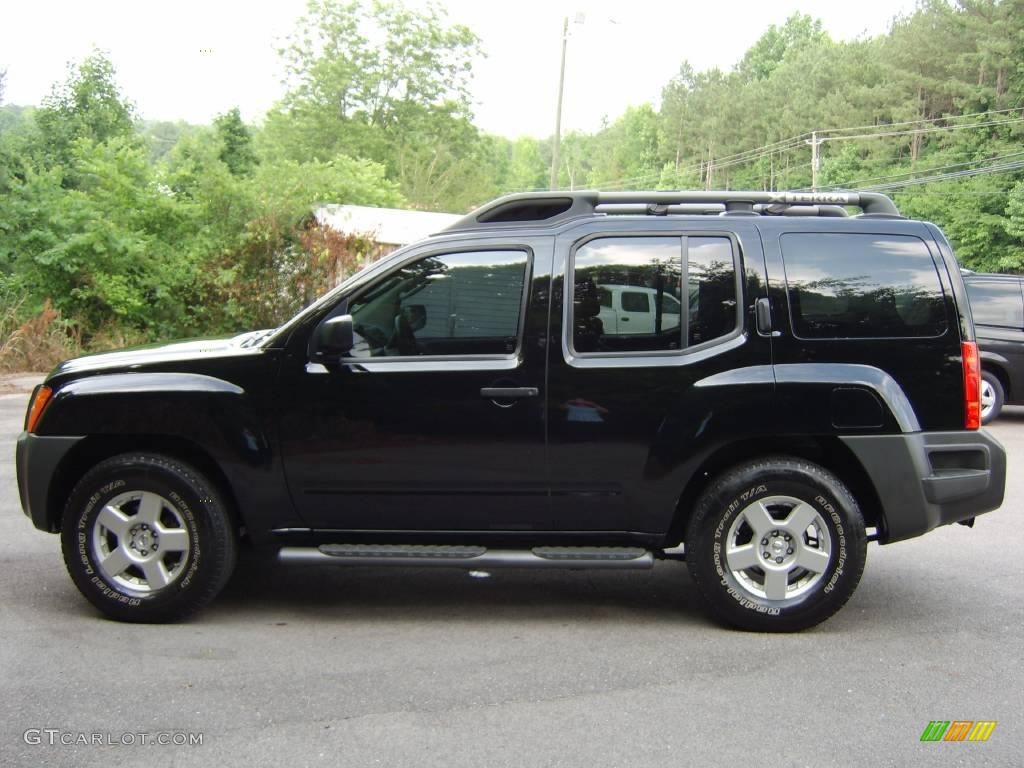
634	309
465	403
998	309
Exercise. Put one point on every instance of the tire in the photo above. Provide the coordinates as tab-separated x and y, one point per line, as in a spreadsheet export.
992	397
806	521
147	538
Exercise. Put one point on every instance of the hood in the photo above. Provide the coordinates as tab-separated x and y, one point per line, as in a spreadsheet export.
155	354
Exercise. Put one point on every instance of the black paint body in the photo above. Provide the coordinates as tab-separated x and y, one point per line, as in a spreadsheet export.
393	450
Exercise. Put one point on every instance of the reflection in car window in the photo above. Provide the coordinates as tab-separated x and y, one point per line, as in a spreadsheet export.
712	288
670	304
862	286
644	279
453	304
635	302
996	302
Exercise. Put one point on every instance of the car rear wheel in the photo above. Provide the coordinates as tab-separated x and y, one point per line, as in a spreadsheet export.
147	538
992	397
776	545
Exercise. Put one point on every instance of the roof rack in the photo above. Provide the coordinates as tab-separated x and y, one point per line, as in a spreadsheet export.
550	208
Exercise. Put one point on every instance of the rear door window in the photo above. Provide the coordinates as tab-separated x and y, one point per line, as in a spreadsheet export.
855	286
648	276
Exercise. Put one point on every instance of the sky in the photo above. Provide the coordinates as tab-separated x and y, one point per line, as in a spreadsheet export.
193	59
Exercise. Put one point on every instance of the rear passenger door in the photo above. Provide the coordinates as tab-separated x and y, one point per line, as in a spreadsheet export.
632	408
873	294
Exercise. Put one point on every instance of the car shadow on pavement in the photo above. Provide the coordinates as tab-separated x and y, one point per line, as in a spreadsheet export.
262	590
260	585
1011	414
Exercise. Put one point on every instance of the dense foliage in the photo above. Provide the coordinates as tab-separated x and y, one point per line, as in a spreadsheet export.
117	229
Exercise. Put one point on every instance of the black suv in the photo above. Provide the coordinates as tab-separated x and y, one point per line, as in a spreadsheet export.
997	305
755	382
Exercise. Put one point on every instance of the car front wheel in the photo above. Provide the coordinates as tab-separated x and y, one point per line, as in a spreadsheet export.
776	545
147	538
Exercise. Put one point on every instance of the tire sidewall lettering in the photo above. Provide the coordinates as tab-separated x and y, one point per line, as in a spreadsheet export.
733	507
193	531
87	519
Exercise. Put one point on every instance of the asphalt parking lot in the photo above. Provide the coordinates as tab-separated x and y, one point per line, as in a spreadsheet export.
360	667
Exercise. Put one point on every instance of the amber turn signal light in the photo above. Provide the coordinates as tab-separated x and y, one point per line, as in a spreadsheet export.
40	400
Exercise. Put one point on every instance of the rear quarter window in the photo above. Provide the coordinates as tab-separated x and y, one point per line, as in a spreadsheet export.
856	286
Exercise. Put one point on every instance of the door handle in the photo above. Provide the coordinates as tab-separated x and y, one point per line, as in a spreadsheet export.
763	318
508	393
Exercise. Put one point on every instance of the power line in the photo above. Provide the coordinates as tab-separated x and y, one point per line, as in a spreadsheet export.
999	168
739	158
750	156
725	161
783	146
861	182
935	129
925	120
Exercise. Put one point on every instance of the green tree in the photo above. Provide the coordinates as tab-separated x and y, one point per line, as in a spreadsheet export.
87	105
627	151
107	251
993	60
236	143
383	82
526	166
1014	223
800	31
163	135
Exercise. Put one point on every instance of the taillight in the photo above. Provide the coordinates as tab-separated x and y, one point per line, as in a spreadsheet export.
972	385
40	400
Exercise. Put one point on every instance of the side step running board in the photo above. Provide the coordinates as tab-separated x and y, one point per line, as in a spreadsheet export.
472	557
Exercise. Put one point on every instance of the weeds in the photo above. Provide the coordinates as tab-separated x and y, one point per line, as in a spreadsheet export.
36	344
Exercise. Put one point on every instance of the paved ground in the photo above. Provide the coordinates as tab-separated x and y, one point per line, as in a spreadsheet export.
419	668
14	383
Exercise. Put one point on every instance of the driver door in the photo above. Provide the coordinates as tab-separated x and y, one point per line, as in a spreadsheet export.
435	419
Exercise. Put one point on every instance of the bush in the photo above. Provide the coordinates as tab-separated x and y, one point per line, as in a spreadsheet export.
280	270
38	343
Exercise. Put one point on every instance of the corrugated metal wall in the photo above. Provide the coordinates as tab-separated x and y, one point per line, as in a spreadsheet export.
471	302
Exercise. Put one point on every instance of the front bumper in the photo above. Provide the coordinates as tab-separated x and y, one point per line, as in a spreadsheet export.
928	479
38	460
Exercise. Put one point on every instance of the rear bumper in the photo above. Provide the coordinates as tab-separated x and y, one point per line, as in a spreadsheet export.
37	460
928	479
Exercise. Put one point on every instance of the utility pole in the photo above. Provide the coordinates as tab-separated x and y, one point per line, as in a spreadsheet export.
815	142
558	110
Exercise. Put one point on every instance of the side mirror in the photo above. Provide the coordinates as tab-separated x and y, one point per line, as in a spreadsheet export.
334	337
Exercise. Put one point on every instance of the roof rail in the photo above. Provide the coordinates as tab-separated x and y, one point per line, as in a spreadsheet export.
549	208
719	209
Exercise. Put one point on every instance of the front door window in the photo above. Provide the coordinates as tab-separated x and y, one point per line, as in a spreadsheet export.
452	304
